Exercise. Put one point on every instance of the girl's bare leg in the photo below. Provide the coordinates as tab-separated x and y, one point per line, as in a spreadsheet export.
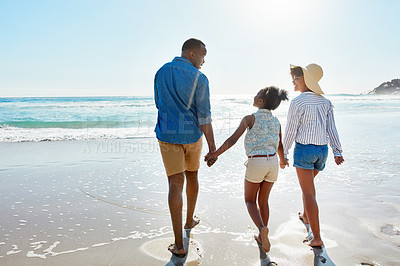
250	196
263	196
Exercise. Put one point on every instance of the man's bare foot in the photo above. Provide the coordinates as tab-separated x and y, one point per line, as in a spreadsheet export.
315	243
264	239
303	218
180	253
192	224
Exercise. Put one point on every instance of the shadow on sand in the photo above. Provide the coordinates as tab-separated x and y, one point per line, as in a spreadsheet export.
320	255
264	258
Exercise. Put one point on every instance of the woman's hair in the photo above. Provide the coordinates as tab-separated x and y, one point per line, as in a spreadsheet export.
297	71
272	97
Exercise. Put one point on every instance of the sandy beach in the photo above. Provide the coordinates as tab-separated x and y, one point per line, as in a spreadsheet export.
82	181
105	203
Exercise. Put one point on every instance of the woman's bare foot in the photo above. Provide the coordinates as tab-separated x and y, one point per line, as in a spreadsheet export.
266	245
315	243
192	224
180	253
303	218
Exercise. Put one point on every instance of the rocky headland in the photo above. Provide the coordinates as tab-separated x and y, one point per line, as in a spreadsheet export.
390	87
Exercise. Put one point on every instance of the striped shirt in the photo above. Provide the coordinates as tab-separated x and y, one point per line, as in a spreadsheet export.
310	121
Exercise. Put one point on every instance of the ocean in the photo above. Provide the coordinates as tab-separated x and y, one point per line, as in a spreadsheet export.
89	118
73	181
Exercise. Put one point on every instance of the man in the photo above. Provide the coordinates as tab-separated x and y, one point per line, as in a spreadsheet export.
182	98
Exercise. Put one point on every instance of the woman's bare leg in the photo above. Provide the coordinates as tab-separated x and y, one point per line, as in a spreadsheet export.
303	215
306	180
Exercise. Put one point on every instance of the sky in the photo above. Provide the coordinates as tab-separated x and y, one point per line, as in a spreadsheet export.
114	47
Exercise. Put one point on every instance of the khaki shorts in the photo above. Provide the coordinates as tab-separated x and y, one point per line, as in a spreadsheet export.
179	158
260	169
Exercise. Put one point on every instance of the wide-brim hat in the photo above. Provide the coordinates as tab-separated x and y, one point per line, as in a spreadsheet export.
312	74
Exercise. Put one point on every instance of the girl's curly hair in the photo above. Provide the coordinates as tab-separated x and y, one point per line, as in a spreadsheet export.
272	97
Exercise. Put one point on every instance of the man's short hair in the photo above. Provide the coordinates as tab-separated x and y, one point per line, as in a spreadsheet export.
192	44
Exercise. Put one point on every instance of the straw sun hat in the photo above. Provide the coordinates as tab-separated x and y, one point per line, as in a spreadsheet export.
312	74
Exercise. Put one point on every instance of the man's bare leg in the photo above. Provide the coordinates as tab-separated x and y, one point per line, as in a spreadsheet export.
175	203
192	190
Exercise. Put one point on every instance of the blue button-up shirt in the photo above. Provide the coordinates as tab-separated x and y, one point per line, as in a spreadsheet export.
182	97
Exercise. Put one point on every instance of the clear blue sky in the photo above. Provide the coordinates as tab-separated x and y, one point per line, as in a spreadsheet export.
99	47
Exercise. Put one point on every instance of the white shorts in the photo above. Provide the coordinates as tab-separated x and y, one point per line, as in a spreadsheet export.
260	169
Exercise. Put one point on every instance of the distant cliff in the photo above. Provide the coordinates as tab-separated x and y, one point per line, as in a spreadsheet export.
390	87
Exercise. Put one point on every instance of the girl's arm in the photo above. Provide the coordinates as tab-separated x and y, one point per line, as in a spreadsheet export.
247	121
282	160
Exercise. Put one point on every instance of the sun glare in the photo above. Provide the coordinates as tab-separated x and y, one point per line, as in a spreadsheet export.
273	14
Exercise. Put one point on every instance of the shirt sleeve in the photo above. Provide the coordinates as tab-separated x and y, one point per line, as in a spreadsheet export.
202	101
333	134
155	91
293	119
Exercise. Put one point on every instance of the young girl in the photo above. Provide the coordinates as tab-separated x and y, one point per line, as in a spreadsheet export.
311	124
262	143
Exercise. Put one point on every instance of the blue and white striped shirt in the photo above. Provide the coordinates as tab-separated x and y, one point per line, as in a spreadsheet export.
310	121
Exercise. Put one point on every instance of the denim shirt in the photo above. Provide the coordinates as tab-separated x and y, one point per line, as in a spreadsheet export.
182	97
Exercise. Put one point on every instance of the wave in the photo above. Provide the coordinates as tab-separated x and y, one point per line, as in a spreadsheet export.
74	99
12	134
77	124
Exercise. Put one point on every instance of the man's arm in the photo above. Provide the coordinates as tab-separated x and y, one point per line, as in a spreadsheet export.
209	133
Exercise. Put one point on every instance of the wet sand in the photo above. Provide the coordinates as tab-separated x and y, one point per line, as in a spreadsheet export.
105	203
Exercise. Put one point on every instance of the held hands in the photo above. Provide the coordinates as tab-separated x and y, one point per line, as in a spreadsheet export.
210	159
339	160
284	163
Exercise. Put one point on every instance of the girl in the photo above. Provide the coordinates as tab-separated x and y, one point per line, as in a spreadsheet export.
262	142
311	124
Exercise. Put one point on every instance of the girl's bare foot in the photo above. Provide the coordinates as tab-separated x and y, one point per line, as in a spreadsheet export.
266	245
180	253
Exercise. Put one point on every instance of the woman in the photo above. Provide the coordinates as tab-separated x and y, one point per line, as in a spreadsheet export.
310	123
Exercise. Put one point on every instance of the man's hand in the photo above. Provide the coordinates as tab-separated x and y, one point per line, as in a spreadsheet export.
339	160
210	159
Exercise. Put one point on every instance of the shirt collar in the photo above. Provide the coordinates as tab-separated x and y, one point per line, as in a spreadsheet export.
179	58
264	111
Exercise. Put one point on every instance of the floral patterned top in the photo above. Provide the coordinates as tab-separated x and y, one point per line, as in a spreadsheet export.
263	137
